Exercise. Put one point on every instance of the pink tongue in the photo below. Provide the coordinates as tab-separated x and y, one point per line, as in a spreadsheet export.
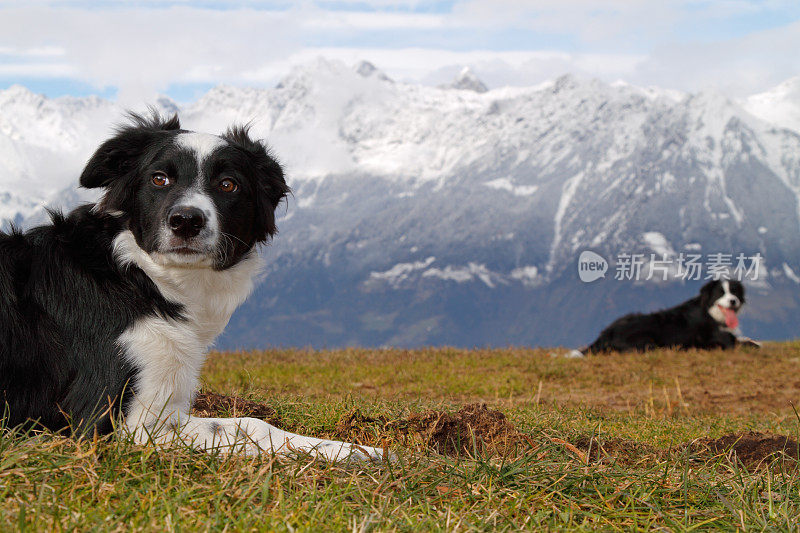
731	320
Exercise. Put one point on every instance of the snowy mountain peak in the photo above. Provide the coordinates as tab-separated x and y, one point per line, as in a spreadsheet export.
779	105
711	111
19	95
367	69
565	82
788	89
467	80
317	70
652	92
166	105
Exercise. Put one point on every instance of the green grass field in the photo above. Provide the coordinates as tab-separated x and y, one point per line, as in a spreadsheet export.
599	443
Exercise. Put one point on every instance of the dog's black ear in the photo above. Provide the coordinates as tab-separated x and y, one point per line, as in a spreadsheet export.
272	186
118	156
705	293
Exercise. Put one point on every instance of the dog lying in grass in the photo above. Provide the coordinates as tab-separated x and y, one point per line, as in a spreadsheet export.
110	310
707	321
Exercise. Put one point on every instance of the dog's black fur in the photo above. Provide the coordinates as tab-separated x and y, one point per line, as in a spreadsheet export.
688	325
65	300
63	304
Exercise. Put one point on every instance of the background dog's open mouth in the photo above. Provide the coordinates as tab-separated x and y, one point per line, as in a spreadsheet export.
731	320
185	250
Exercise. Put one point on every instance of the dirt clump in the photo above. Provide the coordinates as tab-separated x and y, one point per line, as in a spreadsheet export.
751	448
472	427
211	404
612	450
362	429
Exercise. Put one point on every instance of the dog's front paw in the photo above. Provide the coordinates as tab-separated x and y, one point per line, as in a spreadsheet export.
365	453
343	452
572	354
747	341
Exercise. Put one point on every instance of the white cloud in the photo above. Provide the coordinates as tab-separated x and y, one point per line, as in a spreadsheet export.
39	51
147	49
587	21
37	70
374	21
605	22
736	66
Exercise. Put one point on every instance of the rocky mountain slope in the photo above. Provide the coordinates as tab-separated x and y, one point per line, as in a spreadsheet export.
456	215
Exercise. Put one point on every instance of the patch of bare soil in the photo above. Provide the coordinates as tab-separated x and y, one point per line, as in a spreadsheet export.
473	427
611	450
211	404
751	448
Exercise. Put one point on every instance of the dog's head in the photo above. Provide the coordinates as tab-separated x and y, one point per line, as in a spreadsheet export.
723	299
192	199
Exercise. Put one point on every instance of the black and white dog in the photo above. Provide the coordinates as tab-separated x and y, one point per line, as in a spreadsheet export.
709	320
111	309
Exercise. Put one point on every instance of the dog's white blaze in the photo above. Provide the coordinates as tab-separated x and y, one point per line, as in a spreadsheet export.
202	144
202	201
726	286
170	354
198	198
723	301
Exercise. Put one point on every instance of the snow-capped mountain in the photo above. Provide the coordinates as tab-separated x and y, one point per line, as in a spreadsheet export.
780	105
457	214
467	81
44	144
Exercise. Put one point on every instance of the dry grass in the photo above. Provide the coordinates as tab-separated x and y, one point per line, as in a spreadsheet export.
592	444
739	382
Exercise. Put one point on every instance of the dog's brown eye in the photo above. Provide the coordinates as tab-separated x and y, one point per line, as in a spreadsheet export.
228	185
160	179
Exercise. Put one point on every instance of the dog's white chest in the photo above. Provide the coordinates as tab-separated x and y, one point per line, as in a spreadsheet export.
169	353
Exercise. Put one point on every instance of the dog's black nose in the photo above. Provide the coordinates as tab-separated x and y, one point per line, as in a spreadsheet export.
734	302
186	222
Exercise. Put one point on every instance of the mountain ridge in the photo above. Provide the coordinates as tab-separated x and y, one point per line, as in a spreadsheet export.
412	204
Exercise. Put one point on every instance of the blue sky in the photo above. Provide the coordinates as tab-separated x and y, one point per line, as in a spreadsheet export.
134	50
